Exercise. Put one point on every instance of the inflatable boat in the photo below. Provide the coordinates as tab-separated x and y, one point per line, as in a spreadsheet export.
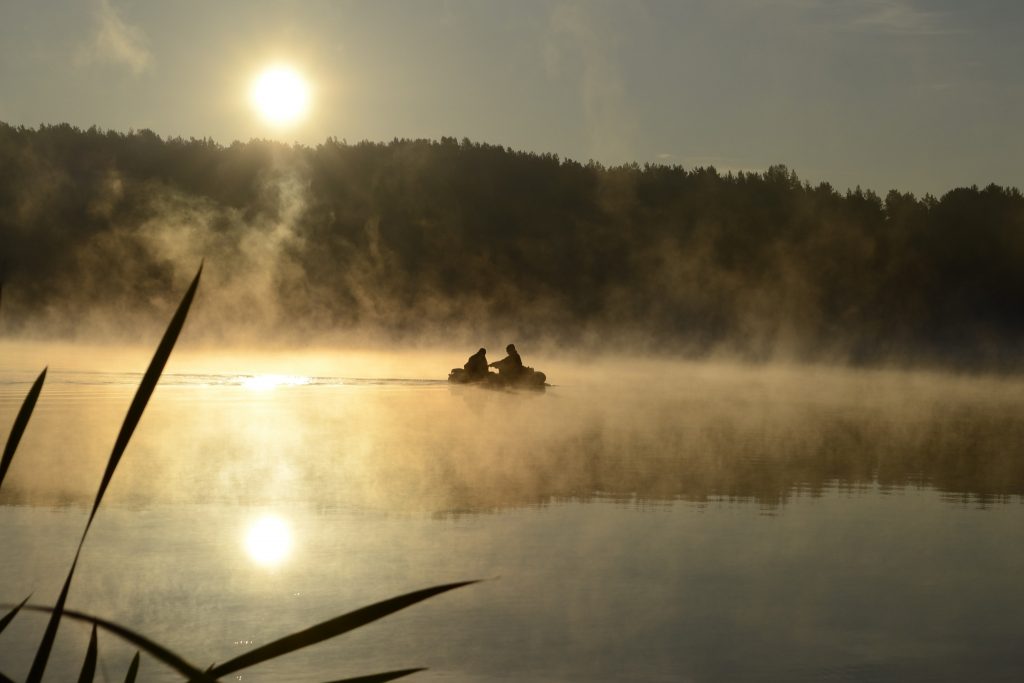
527	379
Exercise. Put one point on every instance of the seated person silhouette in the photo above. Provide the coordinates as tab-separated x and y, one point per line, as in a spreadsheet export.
511	366
476	366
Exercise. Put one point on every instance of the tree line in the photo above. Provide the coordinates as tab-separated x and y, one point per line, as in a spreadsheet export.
419	237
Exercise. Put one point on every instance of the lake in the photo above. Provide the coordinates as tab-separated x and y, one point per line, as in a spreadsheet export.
638	521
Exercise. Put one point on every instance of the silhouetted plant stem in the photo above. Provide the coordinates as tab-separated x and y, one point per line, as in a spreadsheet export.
13	613
89	665
131	420
20	422
331	628
381	677
133	669
176	662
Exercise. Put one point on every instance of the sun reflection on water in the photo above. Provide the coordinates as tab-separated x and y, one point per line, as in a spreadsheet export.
268	541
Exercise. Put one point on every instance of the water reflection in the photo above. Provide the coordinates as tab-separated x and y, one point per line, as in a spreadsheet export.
268	542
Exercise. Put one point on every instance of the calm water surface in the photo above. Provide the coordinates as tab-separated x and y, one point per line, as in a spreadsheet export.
657	523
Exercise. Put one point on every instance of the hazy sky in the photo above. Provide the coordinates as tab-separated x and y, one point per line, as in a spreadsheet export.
913	94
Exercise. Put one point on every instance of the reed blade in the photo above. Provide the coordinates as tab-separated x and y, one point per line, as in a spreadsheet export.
20	422
9	617
155	650
133	669
35	674
381	677
331	628
145	390
89	665
131	420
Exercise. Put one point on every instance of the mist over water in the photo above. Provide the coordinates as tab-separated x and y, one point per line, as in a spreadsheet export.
387	433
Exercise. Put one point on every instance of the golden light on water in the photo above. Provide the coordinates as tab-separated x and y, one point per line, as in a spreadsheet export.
268	541
281	95
265	382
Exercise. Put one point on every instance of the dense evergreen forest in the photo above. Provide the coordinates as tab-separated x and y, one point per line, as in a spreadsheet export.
416	239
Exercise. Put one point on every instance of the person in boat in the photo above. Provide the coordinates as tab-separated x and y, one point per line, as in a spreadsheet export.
476	366
511	366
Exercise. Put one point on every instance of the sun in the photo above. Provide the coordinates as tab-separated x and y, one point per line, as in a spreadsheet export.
280	95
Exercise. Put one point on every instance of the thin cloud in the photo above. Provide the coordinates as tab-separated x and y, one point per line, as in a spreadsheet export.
892	17
117	42
900	18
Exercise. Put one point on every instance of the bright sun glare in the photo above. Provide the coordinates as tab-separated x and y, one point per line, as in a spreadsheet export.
269	541
281	95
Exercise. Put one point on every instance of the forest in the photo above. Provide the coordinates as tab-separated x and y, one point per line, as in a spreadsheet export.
417	241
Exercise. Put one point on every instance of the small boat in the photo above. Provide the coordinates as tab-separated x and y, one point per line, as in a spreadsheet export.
527	379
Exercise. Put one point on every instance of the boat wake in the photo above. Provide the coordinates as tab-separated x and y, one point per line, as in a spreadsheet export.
16	380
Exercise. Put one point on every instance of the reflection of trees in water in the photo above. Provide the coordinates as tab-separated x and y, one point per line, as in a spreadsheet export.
515	450
962	452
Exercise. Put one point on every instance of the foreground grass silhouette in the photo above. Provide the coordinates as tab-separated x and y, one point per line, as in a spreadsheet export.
290	643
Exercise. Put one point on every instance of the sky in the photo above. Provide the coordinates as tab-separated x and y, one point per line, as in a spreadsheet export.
906	94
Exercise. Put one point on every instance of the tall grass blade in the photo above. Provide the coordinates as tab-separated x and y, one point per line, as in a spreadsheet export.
20	422
380	678
89	665
35	674
131	420
9	617
145	390
156	650
133	669
331	628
